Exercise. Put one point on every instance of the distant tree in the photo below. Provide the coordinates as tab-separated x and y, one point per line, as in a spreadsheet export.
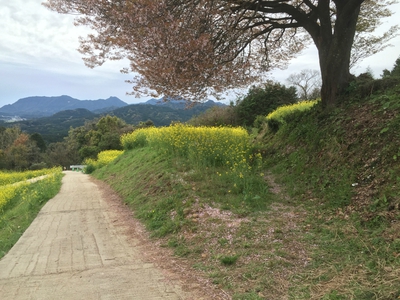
89	152
2	159
307	82
111	128
396	68
96	136
8	136
38	139
110	124
216	116
148	123
365	84
261	100
110	141
395	72
21	154
61	154
18	150
75	140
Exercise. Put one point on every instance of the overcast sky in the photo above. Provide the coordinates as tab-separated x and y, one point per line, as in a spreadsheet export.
38	57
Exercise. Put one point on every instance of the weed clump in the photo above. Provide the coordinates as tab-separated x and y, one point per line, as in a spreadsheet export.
229	260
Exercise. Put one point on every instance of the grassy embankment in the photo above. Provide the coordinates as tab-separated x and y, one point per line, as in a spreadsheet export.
20	202
318	218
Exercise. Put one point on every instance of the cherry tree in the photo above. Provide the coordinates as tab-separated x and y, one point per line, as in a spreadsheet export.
194	48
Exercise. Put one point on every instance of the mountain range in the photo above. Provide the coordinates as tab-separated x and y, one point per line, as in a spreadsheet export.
38	106
69	112
41	106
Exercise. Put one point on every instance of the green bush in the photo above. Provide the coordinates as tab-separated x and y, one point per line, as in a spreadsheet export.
283	114
89	169
263	100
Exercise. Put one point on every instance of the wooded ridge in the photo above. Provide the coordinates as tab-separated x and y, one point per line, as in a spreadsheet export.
55	127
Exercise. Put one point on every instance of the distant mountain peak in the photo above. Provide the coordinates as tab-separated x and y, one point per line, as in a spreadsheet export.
41	106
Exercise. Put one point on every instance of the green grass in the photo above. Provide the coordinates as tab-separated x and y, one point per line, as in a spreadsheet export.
23	208
327	228
198	214
341	165
163	190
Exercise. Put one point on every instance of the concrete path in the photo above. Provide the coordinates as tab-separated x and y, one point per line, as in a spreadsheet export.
74	250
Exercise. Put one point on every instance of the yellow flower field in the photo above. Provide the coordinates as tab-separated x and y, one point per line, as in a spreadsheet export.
204	147
12	177
13	183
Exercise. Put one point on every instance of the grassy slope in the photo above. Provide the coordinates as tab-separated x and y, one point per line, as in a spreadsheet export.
344	167
336	236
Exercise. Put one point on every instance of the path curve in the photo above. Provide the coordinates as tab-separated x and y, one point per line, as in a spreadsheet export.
76	248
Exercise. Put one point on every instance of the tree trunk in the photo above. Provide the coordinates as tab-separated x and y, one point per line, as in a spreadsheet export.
335	78
334	51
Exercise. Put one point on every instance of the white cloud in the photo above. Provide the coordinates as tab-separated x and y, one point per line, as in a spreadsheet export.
38	56
31	31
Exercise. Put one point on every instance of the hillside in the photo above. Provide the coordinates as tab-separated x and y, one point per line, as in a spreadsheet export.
182	104
54	128
160	114
35	107
327	226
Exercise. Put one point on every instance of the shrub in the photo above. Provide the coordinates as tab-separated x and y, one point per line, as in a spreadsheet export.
206	145
103	159
279	116
107	156
263	100
89	169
